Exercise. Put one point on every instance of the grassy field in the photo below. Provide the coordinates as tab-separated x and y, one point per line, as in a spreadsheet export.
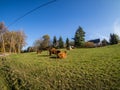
83	69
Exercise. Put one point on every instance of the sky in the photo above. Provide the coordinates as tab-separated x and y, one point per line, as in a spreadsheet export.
98	18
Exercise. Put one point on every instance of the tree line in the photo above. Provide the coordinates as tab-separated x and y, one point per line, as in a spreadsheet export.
11	41
14	41
78	41
45	43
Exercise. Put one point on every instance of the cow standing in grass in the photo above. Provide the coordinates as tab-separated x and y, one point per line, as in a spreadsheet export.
53	51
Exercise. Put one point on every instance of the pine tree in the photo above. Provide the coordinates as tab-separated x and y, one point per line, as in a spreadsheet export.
54	41
61	43
67	42
79	37
114	39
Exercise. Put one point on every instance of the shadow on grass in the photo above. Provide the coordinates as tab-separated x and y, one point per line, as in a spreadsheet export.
54	57
43	55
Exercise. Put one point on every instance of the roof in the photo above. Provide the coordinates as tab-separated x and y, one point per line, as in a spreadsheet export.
94	40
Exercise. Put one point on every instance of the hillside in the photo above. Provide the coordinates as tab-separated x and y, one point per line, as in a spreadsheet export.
87	68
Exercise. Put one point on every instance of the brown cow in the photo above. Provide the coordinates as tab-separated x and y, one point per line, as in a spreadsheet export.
58	53
53	51
62	54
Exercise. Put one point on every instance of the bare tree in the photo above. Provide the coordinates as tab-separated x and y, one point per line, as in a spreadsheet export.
20	40
3	29
42	43
46	41
11	41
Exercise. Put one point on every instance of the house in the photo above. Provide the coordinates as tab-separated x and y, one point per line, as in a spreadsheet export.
96	42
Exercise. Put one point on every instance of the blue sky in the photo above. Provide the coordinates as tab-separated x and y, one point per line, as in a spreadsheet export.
98	18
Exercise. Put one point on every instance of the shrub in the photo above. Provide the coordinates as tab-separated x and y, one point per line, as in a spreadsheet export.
89	45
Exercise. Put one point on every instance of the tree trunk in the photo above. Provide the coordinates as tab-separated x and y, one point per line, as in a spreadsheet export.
3	44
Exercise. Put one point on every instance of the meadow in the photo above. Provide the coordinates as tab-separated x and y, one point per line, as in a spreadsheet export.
83	69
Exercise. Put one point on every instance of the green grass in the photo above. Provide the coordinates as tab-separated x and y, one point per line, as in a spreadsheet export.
83	69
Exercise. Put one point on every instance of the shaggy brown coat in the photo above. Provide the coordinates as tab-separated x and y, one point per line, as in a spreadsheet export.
53	51
62	54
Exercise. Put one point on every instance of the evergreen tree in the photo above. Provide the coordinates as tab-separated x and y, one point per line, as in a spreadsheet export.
79	37
114	39
104	42
54	41
61	43
67	42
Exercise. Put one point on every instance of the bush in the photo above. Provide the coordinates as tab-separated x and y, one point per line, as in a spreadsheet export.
89	45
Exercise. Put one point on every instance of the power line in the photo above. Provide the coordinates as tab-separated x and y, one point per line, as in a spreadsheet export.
45	4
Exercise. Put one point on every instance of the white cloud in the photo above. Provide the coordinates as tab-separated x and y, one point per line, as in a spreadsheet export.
117	27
